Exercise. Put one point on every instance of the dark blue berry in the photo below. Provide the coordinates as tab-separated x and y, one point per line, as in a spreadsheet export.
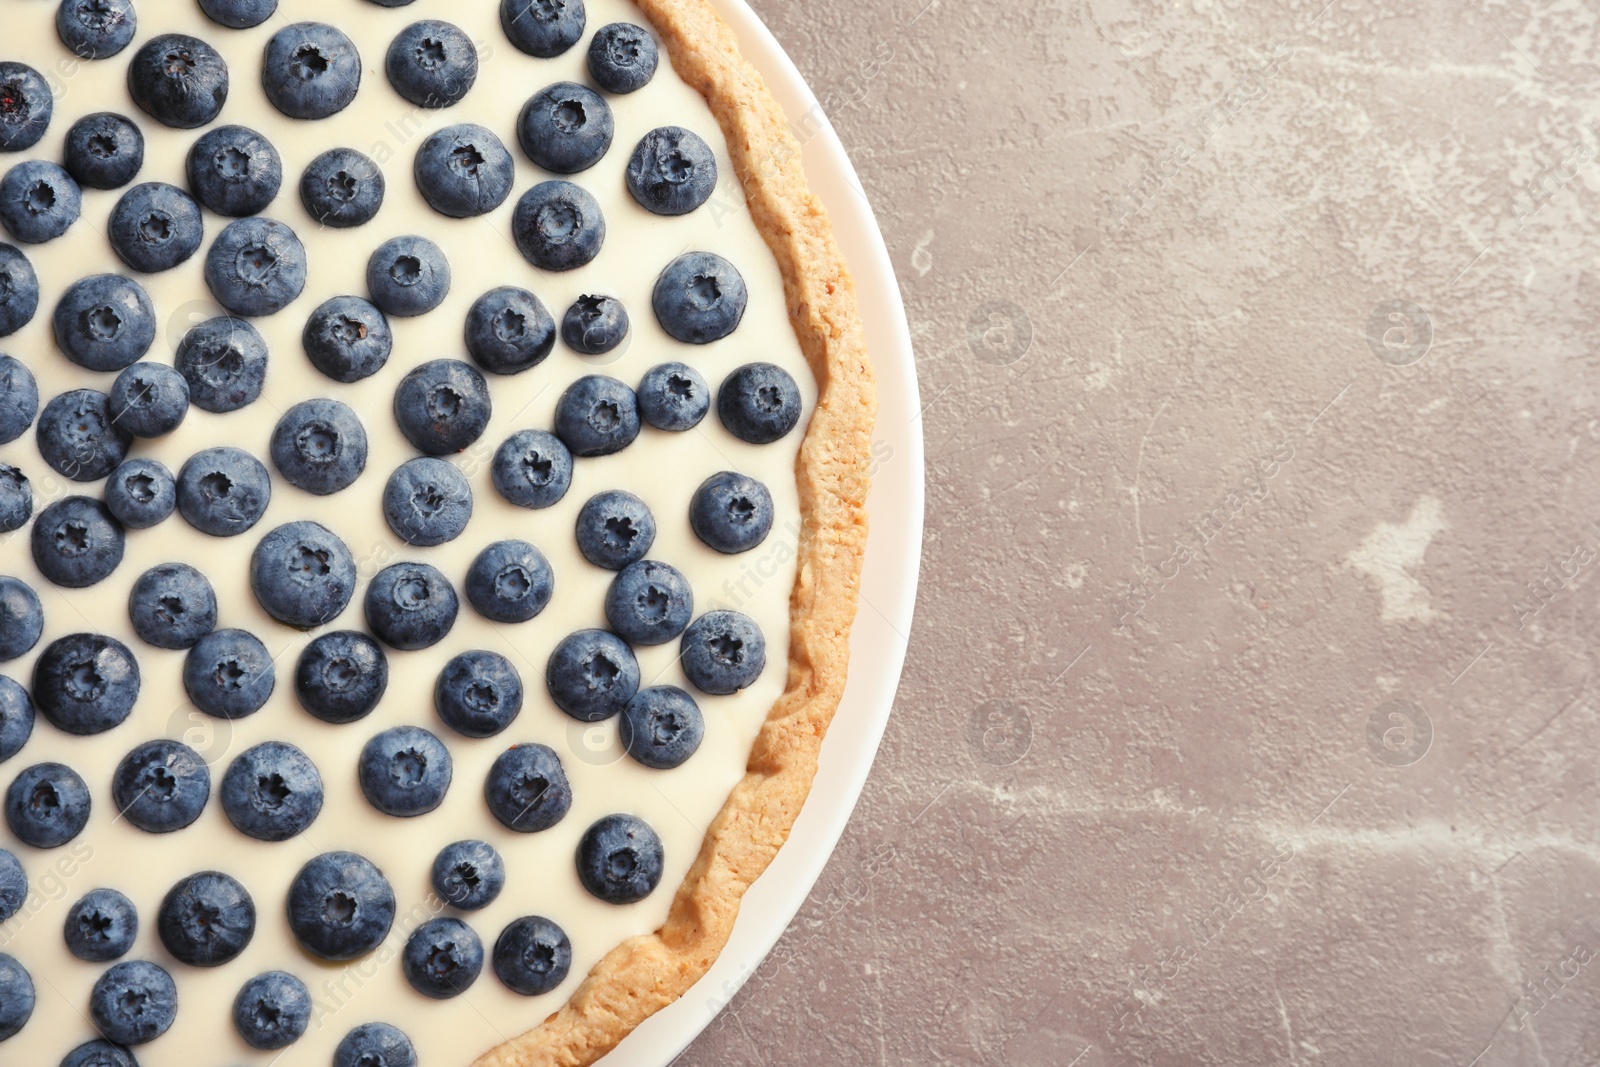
340	907
432	64
408	276
233	170
16	997
14	884
101	926
99	1053
224	360
85	683
527	789
597	416
649	603
723	652
342	188
172	606
532	469
674	397
154	227
26	103
615	528
79	438
427	502
19	287
39	201
442	406
207	919
376	1044
272	1010
303	575
47	805
565	127
410	606
19	399
672	171
558	226
320	446
510	581
347	338
759	403
699	298
622	57
16	499
731	512
148	400
96	29
404	771
229	674
463	171
105	322
311	70
594	325
532	956
178	80
16	719
442	958
141	493
272	792
542	28
133	1002
341	676
592	675
223	491
620	859
103	151
21	623
468	875
508	331
256	266
661	727
239	14
161	786
478	693
76	542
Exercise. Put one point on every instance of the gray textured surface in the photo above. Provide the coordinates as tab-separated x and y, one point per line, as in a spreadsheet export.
1202	507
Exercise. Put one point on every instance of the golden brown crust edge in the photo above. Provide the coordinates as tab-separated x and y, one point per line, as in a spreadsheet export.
645	974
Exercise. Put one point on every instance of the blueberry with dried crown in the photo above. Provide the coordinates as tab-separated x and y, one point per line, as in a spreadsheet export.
303	574
101	926
699	298
26	103
442	958
96	29
468	875
649	603
672	171
731	512
622	57
319	446
47	805
19	399
17	997
272	792
408	276
442	406
427	502
532	956
594	325
620	859
558	226
256	266
592	675
178	80
224	360
172	606
235	171
207	919
341	676
597	415
77	542
103	150
85	683
78	436
229	674
39	201
376	1044
532	469
463	171
411	606
510	581
161	786
311	70
16	499
141	493
674	397
723	652
21	624
432	63
542	28
239	14
615	528
19	288
340	906
404	771
348	339
105	322
154	227
99	1053
342	188
223	491
149	400
527	789
272	1010
565	127
509	331
661	727
133	1002
478	693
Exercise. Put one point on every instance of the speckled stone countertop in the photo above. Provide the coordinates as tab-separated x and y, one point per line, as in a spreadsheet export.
1258	343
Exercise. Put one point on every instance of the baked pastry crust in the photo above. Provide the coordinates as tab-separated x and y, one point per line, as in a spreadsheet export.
645	974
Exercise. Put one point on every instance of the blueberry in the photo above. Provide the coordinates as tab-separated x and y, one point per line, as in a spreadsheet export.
148	400
133	1002
77	436
103	151
101	926
615	528
510	581
427	502
759	403
179	81
508	331
432	64
161	786
272	1010
594	325
723	652
348	339
256	266
233	170
649	603
597	416
408	276
532	469
311	70
39	201
303	575
532	956
620	859
223	491
622	57
565	127
228	674
25	106
16	499
154	227
16	997
410	606
141	493
14	884
341	676
699	298
404	771
19	399
272	792
592	675
731	512
96	29
672	171
542	28
239	14
99	1053
376	1044
463	171
558	226
674	397
172	606
21	623
442	958
85	683
527	790
442	406
47	806
19	286
342	188
206	920
105	322
16	719
478	694
76	542
320	446
340	906
224	360
468	875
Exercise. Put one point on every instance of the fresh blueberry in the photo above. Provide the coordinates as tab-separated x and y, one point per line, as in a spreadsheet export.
141	493
532	469
478	693
427	502
39	201
442	958
47	806
228	674
303	575
699	298
759	403
341	676
442	406
508	331
16	719
178	80
16	997
410	606
649	603
172	606
272	1011
592	675
672	171
96	29
348	339
311	70
542	28
133	1002
565	127
79	438
408	276
155	226
238	14
105	322
21	623
391	3
558	226
622	57
661	727
99	1053
615	528
674	397
14	883
272	792
161	786
25	106
233	170
597	416
148	400
224	360
342	188
527	789
19	399
207	919
432	64
320	446
101	926
620	859
103	151
376	1044
16	499
223	491
594	325
404	771
76	542
340	907
510	581
731	512
19	286
532	956
85	683
468	875
256	266
723	652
